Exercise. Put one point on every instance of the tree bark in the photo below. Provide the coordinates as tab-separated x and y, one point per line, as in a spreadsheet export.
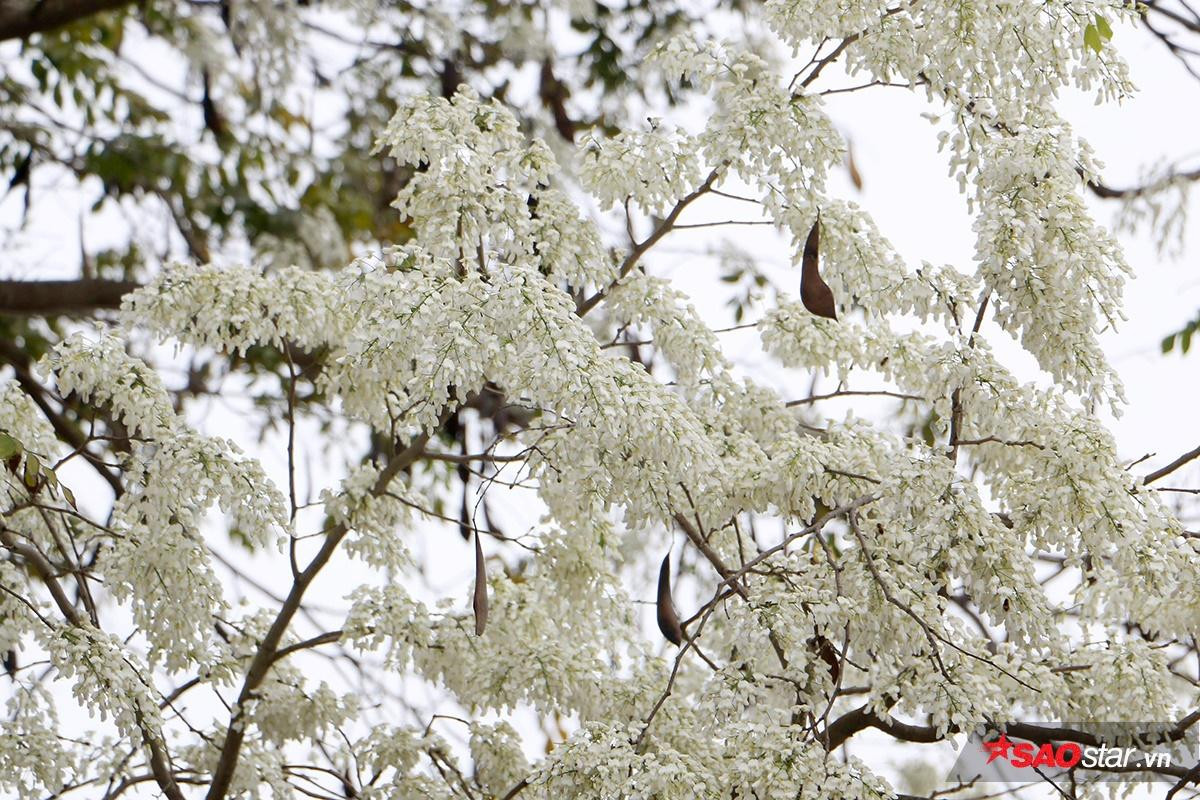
80	296
21	18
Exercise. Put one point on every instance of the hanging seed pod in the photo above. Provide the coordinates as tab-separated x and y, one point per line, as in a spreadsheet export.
480	601
464	505
668	617
852	167
829	654
814	292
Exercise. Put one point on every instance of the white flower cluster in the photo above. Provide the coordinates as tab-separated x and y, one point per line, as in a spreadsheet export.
679	333
499	761
475	172
1056	274
106	679
373	520
549	634
32	755
102	372
233	309
159	531
654	168
952	503
156	558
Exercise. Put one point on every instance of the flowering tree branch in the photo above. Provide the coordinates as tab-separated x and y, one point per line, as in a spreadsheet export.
565	409
268	651
640	248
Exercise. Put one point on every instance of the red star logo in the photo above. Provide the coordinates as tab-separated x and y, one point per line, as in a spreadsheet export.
997	748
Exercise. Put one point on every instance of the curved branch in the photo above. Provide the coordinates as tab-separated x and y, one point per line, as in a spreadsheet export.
1169	468
863	717
1109	193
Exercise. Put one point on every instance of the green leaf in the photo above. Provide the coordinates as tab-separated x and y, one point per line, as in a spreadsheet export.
70	496
8	446
1091	38
1103	27
1182	338
33	466
240	537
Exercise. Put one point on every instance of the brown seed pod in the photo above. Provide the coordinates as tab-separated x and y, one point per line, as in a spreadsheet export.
480	601
829	654
852	166
213	119
814	292
668	617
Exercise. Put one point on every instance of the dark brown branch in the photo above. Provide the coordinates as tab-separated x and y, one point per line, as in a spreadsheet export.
1041	734
1006	442
1109	193
160	762
80	296
516	790
728	575
26	17
1188	27
1157	7
268	649
45	571
841	47
1174	465
863	717
848	393
329	637
956	407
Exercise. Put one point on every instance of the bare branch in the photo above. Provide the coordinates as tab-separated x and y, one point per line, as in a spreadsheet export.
1169	468
80	296
26	17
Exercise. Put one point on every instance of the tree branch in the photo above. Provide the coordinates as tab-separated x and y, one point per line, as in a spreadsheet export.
80	296
1109	193
667	225
1169	468
21	19
268	650
863	717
